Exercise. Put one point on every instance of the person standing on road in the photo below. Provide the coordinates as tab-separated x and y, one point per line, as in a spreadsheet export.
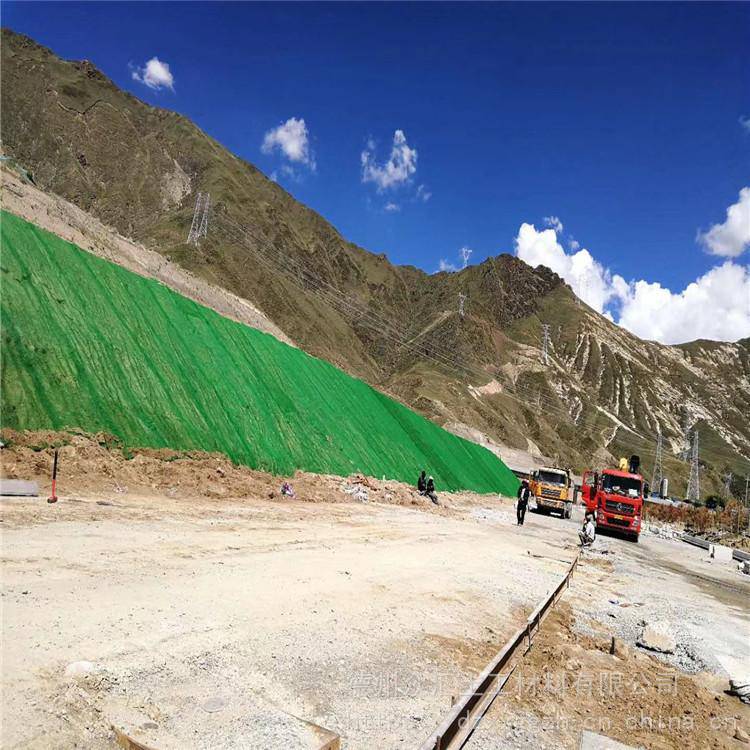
523	501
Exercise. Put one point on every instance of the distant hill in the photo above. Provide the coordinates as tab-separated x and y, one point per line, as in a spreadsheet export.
604	392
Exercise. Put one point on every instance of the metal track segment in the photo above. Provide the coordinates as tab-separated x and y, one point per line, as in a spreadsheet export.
468	710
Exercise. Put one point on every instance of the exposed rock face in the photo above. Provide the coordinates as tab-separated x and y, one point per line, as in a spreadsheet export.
604	393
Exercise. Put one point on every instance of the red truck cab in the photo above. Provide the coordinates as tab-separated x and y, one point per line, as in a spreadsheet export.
616	497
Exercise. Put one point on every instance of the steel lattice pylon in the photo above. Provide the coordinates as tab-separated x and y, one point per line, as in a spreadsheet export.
694	481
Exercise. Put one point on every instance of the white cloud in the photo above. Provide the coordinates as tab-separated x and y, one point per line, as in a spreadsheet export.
391	207
731	238
292	139
423	194
399	168
464	254
444	265
554	223
588	278
745	122
715	306
574	244
155	74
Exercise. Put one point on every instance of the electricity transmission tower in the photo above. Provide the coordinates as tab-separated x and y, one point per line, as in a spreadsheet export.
461	300
685	452
199	226
727	485
545	343
658	474
203	231
694	486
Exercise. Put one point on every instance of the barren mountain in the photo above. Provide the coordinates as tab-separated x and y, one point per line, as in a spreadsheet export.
602	393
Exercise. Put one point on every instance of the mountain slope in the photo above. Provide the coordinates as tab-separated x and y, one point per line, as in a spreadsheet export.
603	394
87	344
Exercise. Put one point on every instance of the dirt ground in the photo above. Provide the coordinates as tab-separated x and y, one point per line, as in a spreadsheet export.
185	586
185	597
570	682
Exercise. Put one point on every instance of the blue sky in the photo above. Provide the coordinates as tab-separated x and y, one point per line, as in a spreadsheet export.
622	120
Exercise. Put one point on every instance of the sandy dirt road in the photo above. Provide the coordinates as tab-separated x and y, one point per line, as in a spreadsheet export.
214	620
180	596
570	682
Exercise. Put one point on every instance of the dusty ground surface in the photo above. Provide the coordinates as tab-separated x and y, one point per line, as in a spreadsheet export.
215	613
211	612
570	681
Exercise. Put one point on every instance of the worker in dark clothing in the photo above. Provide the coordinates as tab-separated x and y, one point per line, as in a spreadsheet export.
422	483
430	490
523	501
635	464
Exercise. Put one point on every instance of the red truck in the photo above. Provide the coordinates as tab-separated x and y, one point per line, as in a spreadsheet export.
616	497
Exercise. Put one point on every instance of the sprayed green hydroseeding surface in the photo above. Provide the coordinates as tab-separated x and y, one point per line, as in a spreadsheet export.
89	345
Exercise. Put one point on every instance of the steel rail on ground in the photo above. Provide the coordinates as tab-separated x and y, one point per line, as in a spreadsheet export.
697	541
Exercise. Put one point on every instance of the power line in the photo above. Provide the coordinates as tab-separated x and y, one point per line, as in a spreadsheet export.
352	306
202	211
270	256
199	228
715	454
442	355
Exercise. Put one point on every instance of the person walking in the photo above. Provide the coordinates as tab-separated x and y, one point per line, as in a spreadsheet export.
523	501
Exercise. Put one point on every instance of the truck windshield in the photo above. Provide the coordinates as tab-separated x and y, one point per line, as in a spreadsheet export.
551	477
621	485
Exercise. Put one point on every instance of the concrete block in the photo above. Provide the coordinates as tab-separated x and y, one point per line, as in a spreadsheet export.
720	553
18	488
657	636
593	741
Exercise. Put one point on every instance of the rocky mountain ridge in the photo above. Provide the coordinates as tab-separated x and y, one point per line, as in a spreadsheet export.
603	392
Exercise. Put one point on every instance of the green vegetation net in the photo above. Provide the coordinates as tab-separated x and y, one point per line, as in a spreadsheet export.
87	344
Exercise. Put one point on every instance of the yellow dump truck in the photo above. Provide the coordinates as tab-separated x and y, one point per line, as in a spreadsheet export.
552	490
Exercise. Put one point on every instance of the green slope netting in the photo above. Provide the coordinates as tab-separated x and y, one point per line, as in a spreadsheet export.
90	345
